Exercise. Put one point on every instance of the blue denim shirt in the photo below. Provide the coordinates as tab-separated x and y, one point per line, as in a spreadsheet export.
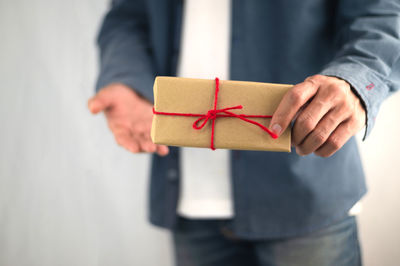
275	194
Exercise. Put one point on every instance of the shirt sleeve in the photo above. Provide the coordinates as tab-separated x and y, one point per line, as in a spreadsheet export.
125	55
368	57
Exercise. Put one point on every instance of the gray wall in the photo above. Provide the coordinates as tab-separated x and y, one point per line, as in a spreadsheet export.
68	194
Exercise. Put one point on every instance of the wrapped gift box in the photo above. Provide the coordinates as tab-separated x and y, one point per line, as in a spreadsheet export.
180	102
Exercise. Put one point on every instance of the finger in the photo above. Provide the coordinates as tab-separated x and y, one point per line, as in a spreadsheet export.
291	102
125	140
162	150
337	139
141	132
133	146
308	119
99	102
294	119
321	132
146	145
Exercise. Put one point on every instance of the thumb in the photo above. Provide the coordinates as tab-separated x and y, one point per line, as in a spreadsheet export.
98	103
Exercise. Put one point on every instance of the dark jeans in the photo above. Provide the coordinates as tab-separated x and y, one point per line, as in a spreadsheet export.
209	243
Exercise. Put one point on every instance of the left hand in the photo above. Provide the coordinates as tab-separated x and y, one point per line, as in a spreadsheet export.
326	112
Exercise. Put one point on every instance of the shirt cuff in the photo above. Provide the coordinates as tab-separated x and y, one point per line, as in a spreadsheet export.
143	86
365	84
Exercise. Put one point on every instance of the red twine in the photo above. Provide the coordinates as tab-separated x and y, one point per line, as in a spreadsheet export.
213	114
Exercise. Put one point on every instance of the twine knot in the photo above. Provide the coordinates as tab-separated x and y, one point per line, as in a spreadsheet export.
212	114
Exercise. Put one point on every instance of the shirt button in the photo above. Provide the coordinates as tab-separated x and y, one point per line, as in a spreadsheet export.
172	174
228	233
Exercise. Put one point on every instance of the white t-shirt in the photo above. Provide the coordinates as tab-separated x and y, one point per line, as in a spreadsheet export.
206	185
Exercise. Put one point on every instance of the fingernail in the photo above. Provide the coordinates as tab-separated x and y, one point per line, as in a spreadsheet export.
276	129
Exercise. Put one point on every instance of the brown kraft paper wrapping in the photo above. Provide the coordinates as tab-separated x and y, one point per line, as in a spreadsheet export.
196	96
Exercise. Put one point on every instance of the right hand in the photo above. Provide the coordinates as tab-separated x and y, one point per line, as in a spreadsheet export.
129	118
